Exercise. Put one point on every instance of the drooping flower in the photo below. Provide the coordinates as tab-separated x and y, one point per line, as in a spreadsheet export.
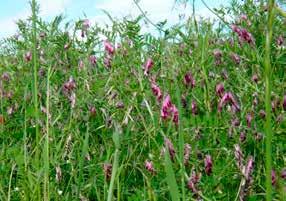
273	177
149	167
236	58
284	102
175	114
189	80
148	65
5	76
248	168
107	168
243	34
80	65
279	40
109	47
92	111
249	118
193	181
69	85
228	98
187	150
283	173
238	156
219	89
92	59
169	110
166	107
58	174
156	91
194	107
28	56
208	164
170	148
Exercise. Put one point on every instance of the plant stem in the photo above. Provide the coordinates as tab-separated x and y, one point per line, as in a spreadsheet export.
46	151
267	72
35	83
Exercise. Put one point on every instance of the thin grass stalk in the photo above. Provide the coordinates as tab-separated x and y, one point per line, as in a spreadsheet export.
116	139
267	71
46	151
35	81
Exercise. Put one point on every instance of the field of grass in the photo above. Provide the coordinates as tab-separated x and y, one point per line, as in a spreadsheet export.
196	111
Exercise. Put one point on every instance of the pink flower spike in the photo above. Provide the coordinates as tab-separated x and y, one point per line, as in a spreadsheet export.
109	47
149	167
156	91
208	164
175	114
166	106
189	80
92	59
28	56
148	65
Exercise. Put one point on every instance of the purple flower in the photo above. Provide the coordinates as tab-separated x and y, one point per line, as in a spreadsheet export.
69	85
193	181
187	150
109	47
242	136
238	156
107	61
273	177
169	110
262	114
148	65
208	164
194	107
283	173
284	102
279	40
189	80
175	114
166	107
228	98
235	58
28	56
219	89
92	111
156	91
92	59
254	78
149	167
249	118
248	169
80	65
170	147
107	169
243	34
5	76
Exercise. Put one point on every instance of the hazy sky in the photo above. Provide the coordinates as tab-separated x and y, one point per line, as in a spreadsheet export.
157	10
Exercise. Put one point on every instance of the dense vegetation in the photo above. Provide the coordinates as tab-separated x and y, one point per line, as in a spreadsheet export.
93	113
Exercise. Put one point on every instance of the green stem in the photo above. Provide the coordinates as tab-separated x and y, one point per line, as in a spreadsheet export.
35	83
267	72
114	172
46	151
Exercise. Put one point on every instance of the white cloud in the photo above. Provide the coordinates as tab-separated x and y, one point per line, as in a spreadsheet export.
52	7
48	8
156	11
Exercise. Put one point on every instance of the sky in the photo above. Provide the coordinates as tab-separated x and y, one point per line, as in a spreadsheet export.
157	10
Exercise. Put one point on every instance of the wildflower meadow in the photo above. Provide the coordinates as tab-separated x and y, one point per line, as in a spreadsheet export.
191	111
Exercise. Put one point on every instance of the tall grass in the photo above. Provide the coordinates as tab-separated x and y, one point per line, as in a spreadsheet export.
268	87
